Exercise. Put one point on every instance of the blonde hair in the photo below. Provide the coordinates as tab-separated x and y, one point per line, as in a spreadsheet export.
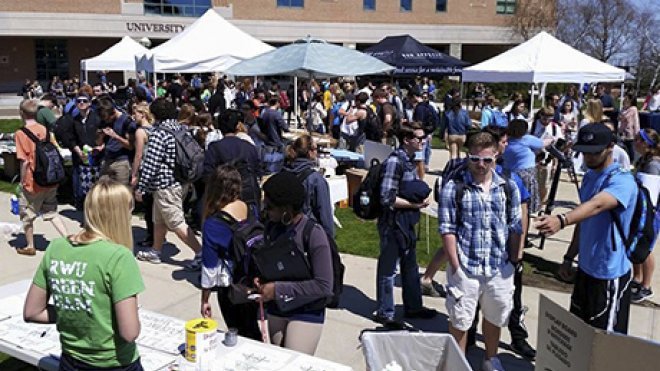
108	207
143	108
594	111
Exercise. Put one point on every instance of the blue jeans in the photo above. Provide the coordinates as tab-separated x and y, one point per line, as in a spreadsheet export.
392	250
427	150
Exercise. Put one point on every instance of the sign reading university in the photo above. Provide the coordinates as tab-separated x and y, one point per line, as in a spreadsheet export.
154	27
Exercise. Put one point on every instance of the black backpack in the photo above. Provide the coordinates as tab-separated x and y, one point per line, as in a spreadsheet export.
643	227
373	128
247	237
369	207
48	163
189	161
338	267
250	189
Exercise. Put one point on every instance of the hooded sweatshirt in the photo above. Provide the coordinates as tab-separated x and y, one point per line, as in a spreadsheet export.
317	201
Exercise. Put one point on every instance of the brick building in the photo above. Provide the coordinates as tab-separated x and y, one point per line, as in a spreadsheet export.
42	38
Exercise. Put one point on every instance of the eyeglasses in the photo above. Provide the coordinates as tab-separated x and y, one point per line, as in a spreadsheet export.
486	159
82	101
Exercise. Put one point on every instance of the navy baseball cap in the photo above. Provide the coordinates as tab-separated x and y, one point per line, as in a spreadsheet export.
593	138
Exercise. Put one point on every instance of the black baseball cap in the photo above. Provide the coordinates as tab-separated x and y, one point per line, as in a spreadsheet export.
593	138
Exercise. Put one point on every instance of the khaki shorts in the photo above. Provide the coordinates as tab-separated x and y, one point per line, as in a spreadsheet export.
495	294
168	207
543	176
458	139
33	204
119	171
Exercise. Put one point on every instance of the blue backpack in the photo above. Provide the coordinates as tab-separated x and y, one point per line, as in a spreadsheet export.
644	226
498	118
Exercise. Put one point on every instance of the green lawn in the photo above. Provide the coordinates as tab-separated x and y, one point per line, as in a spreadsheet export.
10	125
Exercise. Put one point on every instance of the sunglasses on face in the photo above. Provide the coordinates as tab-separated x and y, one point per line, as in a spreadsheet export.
421	138
82	101
486	159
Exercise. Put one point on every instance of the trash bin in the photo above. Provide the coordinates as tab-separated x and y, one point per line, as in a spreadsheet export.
412	351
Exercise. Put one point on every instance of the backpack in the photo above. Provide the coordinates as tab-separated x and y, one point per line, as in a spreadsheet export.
250	189
338	268
284	100
454	170
48	163
189	161
247	237
373	128
498	118
644	227
369	207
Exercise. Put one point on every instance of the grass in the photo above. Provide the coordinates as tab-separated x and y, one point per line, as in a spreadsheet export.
360	237
10	125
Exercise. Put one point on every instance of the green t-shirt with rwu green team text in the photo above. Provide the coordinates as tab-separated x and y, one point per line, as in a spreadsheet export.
85	281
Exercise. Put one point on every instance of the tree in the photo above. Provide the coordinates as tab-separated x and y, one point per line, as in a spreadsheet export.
600	28
532	17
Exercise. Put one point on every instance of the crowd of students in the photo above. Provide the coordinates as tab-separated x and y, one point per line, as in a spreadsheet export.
125	156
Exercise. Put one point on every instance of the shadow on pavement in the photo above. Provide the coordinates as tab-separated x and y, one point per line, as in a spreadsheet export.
74	215
19	242
356	302
475	356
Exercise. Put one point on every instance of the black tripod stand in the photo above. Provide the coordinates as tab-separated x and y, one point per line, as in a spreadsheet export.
565	162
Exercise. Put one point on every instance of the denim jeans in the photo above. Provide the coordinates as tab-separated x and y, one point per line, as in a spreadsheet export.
427	150
392	250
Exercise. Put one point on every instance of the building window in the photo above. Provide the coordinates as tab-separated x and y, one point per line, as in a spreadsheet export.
440	5
406	5
291	3
52	59
369	4
181	8
506	6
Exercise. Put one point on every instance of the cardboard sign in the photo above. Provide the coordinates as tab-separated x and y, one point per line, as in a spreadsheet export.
566	343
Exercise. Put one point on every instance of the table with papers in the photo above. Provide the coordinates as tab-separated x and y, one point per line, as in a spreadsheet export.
160	343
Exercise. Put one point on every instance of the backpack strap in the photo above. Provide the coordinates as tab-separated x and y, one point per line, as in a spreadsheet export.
617	223
33	137
307	235
458	194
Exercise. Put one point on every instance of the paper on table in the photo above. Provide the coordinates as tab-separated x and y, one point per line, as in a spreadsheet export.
152	360
306	363
253	357
35	337
652	183
161	332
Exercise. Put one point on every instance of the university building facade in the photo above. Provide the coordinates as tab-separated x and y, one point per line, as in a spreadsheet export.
43	38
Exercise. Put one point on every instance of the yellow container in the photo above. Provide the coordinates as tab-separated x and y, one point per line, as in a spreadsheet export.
201	340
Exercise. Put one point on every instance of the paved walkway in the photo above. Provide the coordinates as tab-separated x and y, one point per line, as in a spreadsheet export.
171	290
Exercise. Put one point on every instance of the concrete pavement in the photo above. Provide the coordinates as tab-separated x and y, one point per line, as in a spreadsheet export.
171	290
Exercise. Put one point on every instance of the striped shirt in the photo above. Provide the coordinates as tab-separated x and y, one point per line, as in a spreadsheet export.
157	168
481	235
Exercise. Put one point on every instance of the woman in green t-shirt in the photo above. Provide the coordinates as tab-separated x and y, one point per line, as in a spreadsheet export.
94	281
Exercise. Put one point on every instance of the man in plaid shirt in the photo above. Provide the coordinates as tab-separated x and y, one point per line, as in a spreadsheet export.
480	246
157	176
394	243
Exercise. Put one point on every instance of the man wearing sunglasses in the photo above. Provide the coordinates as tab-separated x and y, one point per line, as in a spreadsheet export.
395	240
482	238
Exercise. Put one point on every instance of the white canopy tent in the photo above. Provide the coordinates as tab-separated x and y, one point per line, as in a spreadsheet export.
119	57
543	59
208	45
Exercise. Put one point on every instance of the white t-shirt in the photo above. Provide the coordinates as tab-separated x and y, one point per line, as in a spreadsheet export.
620	156
654	103
552	130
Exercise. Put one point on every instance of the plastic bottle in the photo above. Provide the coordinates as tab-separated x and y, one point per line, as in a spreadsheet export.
87	151
364	199
14	200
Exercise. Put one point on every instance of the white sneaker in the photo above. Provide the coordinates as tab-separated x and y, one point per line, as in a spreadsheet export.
150	256
492	364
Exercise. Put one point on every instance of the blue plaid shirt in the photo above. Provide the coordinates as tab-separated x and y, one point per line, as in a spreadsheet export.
481	237
397	168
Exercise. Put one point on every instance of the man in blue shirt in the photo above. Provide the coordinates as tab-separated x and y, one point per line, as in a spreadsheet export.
481	233
118	128
601	295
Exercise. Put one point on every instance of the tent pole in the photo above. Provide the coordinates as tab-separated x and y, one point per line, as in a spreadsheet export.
531	103
309	105
623	87
296	110
545	85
